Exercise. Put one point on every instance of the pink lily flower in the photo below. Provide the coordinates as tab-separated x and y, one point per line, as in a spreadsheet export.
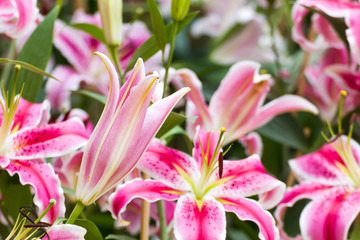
330	178
123	132
203	195
327	78
327	37
237	104
25	135
17	18
77	47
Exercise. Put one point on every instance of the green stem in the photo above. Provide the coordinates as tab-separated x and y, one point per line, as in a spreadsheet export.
115	56
162	218
7	69
171	53
75	213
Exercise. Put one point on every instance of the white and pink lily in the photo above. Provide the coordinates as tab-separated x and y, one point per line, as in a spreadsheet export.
17	18
25	135
77	47
123	132
203	195
66	231
237	104
330	178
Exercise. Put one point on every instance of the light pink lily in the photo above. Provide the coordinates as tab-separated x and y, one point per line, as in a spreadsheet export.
25	135
330	178
123	132
18	17
77	47
203	196
327	78
237	104
327	37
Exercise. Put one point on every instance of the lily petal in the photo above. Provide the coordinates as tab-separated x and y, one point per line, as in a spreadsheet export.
250	210
352	33
330	215
149	190
246	178
195	223
294	194
48	141
162	163
30	114
252	143
67	231
205	145
45	183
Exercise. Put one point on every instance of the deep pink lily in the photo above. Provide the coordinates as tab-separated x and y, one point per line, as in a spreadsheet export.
330	178
203	197
18	17
327	37
327	78
237	104
123	132
25	135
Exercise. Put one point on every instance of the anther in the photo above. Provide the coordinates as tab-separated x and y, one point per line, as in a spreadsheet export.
222	130
17	67
343	93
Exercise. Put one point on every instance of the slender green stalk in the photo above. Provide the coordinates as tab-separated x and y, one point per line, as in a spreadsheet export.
52	202
162	218
115	56
75	213
7	68
171	53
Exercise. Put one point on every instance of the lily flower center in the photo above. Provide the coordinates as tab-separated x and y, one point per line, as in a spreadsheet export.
210	163
9	106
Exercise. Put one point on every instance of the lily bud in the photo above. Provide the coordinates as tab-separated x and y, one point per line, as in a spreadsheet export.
179	9
111	18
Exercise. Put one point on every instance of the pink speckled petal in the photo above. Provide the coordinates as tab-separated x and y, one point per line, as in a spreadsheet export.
59	93
160	163
67	231
46	184
149	190
250	210
330	215
294	194
4	161
345	77
246	178
48	141
30	115
323	166
192	223
205	145
252	143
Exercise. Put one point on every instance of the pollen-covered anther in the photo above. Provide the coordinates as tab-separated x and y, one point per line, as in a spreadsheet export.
222	130
343	93
17	67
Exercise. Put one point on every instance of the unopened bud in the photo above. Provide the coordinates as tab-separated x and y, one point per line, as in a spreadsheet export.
179	9
111	18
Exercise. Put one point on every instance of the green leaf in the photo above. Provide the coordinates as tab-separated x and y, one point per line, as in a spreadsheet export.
98	97
171	121
91	29
28	67
158	25
92	232
355	233
150	46
13	194
36	51
119	237
68	190
285	129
